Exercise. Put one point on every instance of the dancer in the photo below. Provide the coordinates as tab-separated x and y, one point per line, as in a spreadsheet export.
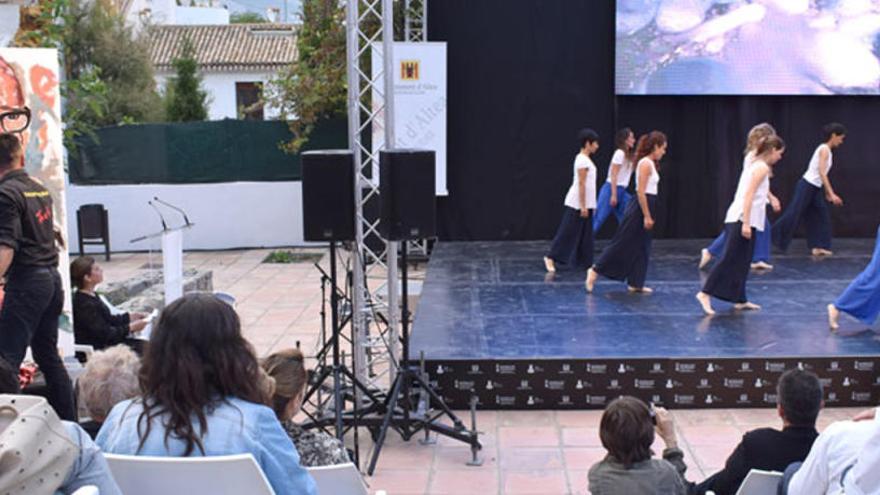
761	258
573	243
746	214
613	197
862	298
808	203
626	257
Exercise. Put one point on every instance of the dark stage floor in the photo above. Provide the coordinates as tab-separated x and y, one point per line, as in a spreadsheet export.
493	300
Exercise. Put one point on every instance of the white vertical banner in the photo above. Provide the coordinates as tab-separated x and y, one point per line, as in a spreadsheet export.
419	102
172	264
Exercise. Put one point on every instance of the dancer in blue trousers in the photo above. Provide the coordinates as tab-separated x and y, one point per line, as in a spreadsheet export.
811	197
626	257
747	213
862	298
573	244
613	197
761	258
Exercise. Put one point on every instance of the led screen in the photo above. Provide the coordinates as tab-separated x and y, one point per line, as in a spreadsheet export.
754	47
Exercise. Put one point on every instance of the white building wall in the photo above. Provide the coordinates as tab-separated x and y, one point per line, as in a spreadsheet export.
8	22
226	216
220	87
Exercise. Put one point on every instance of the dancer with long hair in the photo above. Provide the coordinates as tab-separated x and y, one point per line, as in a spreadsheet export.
573	244
626	257
808	202
862	298
761	258
613	196
747	214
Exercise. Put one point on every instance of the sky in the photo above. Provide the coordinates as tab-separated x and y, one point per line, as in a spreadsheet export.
260	6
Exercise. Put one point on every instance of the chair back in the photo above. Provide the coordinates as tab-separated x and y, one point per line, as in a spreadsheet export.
148	475
759	482
92	219
338	479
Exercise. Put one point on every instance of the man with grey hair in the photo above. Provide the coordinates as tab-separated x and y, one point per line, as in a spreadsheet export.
110	377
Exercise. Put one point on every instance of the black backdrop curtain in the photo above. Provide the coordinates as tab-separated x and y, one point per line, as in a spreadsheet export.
525	75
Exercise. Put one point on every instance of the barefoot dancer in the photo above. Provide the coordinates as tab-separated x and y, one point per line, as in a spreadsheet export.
808	203
761	258
727	281
626	257
573	244
862	298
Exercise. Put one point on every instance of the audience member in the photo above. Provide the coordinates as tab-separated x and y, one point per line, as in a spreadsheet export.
93	323
31	461
110	377
627	432
798	401
832	460
316	448
864	477
202	396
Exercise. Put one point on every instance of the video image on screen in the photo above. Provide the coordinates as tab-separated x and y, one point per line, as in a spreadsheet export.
747	47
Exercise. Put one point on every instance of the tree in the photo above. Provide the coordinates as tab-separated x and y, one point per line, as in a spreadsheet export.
185	100
246	18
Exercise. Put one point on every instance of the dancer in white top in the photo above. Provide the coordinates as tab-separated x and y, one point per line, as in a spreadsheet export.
746	214
808	202
626	257
573	244
613	197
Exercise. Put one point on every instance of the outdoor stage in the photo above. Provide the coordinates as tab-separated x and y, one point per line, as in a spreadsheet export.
492	322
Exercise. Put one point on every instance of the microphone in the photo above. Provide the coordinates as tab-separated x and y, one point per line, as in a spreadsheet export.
179	210
161	218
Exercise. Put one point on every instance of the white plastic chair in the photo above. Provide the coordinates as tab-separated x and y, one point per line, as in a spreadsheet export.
760	482
147	475
338	479
87	490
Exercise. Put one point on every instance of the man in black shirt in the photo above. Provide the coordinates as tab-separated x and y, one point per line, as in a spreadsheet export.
29	258
799	399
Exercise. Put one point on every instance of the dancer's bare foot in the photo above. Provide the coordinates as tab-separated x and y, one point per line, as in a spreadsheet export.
705	258
706	302
833	315
591	279
549	264
822	252
640	290
762	265
747	306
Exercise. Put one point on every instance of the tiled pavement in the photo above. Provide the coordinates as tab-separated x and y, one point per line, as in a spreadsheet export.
535	452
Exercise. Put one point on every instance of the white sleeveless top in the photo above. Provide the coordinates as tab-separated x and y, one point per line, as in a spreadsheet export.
759	201
749	158
571	199
812	174
653	179
626	168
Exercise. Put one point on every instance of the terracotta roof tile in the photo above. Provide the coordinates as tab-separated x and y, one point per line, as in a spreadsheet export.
226	47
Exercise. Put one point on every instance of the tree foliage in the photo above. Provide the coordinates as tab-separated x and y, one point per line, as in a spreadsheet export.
247	18
185	100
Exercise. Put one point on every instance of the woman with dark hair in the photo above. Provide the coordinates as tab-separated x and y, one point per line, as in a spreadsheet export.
746	215
626	257
93	323
627	432
316	448
573	243
202	396
613	197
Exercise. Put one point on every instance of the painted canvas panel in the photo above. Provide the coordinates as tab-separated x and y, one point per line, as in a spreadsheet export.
29	77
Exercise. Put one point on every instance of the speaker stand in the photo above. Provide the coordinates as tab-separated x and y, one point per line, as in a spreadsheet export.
399	413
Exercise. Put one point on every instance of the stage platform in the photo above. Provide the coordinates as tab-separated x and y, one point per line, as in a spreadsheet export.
492	323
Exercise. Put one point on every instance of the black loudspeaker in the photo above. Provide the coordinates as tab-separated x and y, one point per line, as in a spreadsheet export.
328	195
406	188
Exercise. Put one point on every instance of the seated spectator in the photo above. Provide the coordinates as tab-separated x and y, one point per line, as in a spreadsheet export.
864	477
110	377
93	324
202	396
798	401
627	432
74	454
315	447
835	453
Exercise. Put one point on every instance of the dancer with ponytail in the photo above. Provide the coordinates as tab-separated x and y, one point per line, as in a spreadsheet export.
613	197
